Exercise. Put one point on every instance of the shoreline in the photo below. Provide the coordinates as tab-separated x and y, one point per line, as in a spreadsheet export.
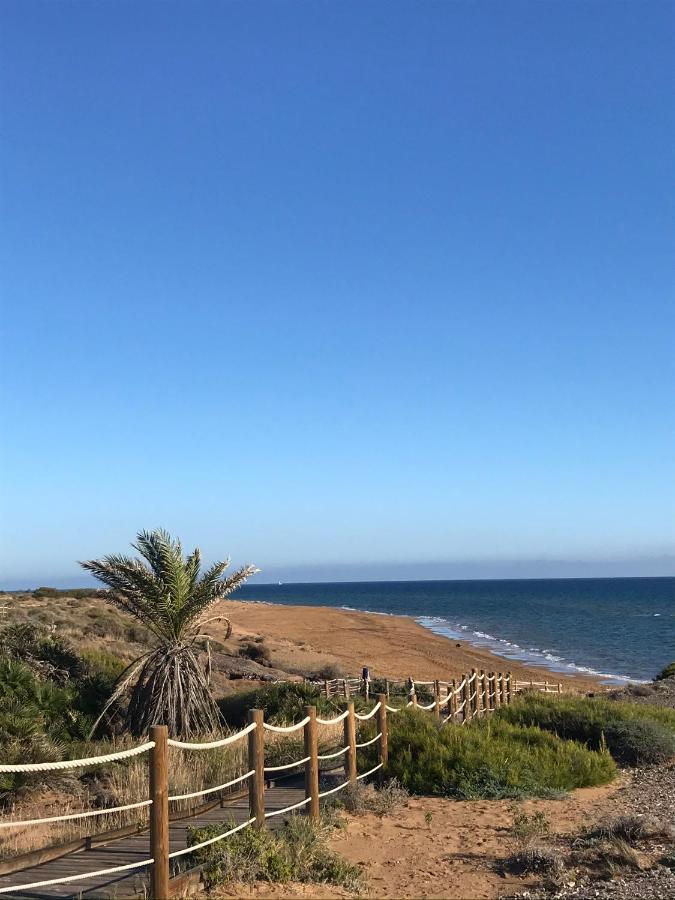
306	638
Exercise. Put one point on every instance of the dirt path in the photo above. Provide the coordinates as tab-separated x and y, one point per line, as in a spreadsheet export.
442	848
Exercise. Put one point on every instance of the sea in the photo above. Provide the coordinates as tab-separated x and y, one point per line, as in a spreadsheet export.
622	629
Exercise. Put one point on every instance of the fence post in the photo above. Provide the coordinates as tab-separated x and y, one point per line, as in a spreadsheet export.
466	692
345	689
560	687
437	700
386	687
452	702
159	811
474	702
498	690
502	694
546	687
382	728
483	698
478	702
350	741
326	688
312	764
509	690
256	763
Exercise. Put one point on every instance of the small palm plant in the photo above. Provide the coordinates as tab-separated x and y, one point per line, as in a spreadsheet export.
165	592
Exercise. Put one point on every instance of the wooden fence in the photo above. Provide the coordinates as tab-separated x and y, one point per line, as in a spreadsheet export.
453	702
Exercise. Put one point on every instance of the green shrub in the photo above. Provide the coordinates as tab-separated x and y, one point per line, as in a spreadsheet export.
297	852
667	672
489	759
633	733
256	651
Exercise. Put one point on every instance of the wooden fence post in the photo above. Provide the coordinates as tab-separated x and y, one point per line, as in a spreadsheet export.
546	687
560	687
498	690
350	741
386	687
437	700
256	763
509	692
312	764
382	727
345	689
474	702
478	700
326	688
452	702
466	693
159	811
502	694
483	698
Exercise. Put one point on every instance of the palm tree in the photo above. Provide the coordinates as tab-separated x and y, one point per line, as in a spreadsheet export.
165	592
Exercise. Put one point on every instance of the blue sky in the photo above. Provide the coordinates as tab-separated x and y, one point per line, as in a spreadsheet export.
331	286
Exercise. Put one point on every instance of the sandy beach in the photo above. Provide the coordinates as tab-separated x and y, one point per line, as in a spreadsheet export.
308	638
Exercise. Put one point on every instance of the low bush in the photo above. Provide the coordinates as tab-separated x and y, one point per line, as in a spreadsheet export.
633	733
488	759
364	798
667	672
536	861
297	852
631	829
256	651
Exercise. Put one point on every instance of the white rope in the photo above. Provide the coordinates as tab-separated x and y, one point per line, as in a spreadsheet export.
461	707
279	812
335	789
428	707
371	741
369	772
333	721
333	755
212	744
291	765
80	815
212	840
77	763
460	686
37	884
473	678
370	714
212	790
472	697
279	729
446	700
424	682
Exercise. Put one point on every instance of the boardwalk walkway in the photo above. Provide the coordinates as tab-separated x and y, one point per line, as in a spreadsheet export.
136	848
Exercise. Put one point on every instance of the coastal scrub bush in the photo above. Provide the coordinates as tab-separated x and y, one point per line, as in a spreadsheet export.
362	798
488	759
633	733
296	852
667	672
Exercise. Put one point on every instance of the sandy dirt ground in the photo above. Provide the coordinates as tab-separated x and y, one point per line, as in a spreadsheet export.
443	848
306	638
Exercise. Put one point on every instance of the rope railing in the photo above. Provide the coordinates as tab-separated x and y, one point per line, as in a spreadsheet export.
78	763
286	729
476	695
47	820
211	790
212	745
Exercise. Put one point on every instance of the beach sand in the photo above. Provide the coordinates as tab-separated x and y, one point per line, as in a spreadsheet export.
308	638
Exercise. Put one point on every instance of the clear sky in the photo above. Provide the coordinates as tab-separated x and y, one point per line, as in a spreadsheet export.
339	287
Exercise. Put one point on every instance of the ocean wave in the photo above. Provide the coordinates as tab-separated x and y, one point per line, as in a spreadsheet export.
534	656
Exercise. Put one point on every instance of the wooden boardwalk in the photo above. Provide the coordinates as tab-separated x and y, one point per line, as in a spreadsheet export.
136	848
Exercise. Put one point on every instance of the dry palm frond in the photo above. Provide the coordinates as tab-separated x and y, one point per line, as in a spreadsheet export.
165	592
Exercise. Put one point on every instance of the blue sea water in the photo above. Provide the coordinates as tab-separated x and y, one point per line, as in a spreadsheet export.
621	628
